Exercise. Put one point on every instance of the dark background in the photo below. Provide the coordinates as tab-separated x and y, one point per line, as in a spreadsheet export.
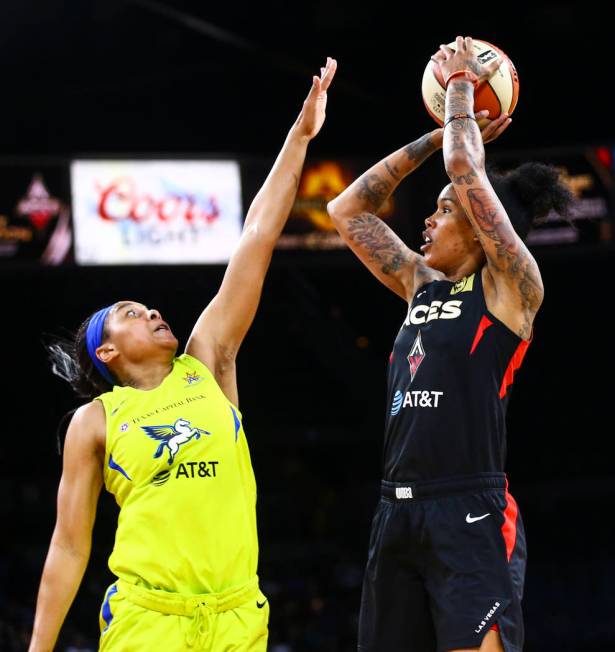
121	78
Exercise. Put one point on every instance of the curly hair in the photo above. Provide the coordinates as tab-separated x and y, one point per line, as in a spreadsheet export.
530	192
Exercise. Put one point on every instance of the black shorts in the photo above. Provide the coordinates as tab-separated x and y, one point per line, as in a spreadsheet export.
446	564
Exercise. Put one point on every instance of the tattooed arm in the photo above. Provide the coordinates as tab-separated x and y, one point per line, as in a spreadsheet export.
354	214
514	289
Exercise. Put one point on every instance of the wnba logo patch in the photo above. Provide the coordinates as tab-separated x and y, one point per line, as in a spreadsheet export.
416	356
192	378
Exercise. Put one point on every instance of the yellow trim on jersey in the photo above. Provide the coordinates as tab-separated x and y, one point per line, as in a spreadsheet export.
466	284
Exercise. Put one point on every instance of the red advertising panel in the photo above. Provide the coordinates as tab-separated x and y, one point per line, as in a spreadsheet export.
35	224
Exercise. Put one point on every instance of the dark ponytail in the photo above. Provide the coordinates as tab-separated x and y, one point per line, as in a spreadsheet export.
70	360
530	192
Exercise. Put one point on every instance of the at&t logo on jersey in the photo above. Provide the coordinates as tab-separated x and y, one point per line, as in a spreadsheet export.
398	399
421	314
417	398
187	470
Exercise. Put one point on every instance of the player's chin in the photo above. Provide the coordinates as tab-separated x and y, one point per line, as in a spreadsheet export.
427	252
433	261
166	339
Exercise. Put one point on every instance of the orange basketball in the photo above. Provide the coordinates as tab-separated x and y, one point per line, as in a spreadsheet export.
498	95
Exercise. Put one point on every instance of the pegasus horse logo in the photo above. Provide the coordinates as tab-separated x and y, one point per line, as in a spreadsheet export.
172	437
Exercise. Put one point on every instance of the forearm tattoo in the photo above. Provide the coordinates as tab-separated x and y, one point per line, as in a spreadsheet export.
467	178
374	189
460	99
379	242
420	149
416	153
515	260
393	170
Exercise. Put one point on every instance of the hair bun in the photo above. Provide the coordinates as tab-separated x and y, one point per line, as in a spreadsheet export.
540	189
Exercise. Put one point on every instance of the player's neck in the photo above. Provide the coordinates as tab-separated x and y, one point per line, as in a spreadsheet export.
456	273
145	376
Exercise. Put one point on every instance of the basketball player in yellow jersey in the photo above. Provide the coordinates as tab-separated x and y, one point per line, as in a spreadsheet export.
164	434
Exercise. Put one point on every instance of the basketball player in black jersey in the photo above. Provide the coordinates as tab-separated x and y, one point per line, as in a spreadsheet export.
446	563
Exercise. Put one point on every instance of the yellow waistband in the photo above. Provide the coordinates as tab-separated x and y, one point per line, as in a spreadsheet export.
187	605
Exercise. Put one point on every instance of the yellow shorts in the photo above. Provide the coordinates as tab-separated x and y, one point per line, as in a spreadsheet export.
135	619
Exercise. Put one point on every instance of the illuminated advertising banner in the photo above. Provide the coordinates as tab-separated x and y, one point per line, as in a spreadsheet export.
35	214
309	225
154	212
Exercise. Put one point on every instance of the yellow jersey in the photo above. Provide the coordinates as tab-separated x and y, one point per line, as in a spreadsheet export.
178	464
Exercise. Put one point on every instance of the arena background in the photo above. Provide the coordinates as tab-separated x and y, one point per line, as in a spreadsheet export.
186	80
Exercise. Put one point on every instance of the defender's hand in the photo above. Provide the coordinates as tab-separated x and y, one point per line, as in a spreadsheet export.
312	114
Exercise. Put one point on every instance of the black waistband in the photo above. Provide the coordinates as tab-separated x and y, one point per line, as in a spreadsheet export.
429	488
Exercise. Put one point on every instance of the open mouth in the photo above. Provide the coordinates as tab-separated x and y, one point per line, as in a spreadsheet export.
161	327
428	241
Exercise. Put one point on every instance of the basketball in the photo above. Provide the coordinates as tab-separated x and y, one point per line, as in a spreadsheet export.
498	95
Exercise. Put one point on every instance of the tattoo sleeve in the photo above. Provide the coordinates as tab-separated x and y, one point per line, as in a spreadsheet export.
375	186
463	133
513	257
354	213
420	149
464	159
373	190
380	244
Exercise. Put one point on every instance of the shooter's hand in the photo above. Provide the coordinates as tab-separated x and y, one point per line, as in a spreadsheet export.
464	58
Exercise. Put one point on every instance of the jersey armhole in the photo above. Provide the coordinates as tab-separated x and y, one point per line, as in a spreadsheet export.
108	441
500	324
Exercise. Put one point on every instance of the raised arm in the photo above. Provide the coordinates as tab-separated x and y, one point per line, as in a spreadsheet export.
70	546
354	213
515	274
222	326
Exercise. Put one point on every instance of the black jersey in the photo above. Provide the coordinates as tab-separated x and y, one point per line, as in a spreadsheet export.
448	385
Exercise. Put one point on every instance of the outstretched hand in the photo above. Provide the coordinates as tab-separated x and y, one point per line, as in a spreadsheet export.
312	114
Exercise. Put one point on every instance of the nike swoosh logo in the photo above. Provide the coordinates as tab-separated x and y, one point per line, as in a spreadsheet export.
472	519
261	605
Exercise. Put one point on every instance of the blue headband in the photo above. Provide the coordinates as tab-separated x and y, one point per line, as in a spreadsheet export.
93	339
